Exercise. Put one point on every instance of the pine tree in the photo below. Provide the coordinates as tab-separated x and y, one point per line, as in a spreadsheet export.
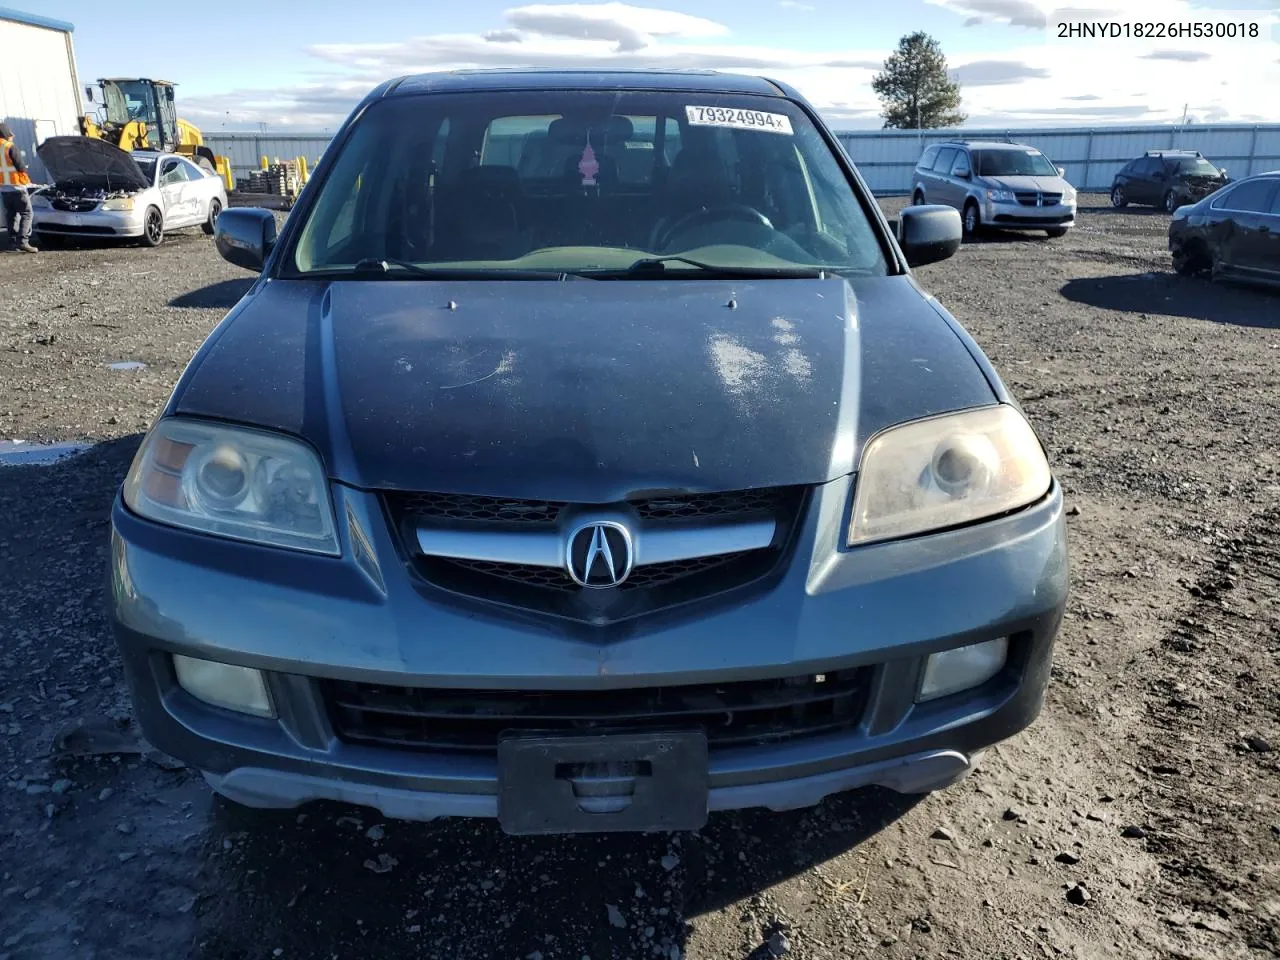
914	89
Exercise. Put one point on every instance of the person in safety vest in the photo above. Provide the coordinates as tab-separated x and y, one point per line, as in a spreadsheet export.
13	190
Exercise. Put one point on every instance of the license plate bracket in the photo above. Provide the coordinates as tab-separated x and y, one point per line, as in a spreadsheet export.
623	782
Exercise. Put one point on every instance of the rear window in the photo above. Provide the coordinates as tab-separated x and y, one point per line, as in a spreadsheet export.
578	180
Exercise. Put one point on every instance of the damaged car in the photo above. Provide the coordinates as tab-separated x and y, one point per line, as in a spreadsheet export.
586	455
1167	179
100	191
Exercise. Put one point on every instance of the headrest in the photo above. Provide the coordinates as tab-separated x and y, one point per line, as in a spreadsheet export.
617	129
565	130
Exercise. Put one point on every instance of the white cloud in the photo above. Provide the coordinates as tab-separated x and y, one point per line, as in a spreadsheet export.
630	28
1041	82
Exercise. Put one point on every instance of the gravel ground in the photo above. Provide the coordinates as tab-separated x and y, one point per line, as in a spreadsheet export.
1140	816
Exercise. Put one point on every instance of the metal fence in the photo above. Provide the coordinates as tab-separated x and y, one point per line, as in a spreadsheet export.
1091	157
886	158
247	149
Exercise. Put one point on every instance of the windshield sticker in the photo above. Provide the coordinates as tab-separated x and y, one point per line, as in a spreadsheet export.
738	119
588	166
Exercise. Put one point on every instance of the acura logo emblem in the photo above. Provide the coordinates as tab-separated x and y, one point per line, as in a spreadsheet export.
599	554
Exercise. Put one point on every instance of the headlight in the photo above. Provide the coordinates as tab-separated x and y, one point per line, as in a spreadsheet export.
947	471
119	203
1068	194
233	482
1000	196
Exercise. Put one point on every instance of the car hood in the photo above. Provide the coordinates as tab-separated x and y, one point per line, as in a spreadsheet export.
87	158
1041	184
589	391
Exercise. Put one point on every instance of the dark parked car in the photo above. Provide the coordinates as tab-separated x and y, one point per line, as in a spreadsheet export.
1233	233
1167	179
587	456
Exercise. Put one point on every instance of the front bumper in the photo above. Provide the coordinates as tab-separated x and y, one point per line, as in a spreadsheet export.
305	618
94	223
1018	216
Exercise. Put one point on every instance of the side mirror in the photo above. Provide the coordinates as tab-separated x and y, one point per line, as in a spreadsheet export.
168	94
88	93
928	233
245	235
965	175
1222	171
1062	172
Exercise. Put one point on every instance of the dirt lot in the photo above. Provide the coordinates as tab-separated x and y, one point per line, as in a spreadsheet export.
1140	817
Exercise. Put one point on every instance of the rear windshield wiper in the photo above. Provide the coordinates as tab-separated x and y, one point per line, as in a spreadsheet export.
656	267
384	267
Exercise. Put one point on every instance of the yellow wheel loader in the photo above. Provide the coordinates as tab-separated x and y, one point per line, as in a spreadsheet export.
139	114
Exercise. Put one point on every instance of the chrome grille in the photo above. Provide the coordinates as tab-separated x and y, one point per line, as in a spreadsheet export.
545	586
463	508
417	507
1029	198
555	578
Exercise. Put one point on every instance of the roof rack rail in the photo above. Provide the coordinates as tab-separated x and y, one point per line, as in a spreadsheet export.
1173	152
968	140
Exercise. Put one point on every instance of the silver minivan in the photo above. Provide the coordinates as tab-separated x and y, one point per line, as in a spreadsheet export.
996	183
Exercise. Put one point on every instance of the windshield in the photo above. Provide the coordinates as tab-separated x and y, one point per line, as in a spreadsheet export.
1022	162
148	168
1197	167
587	181
129	100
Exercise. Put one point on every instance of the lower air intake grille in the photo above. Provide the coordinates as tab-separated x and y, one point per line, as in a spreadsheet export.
746	712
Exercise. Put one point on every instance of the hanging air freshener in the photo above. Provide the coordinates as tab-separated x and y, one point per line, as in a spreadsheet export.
588	166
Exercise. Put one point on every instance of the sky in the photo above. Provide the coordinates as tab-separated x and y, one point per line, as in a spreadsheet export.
303	68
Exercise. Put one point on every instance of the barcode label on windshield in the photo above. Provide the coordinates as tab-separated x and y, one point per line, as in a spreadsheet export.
738	119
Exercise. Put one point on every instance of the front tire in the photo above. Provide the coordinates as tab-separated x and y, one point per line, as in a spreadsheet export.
1056	232
971	219
215	208
917	198
1190	260
1118	199
152	227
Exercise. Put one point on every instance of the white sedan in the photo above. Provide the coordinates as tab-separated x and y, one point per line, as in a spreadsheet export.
100	190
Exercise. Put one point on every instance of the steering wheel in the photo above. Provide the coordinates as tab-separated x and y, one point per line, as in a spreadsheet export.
729	211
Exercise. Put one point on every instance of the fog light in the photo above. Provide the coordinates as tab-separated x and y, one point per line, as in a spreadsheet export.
962	668
242	689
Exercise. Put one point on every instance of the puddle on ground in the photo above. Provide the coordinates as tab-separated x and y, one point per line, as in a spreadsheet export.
127	365
23	453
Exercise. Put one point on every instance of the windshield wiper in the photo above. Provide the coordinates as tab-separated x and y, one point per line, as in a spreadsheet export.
383	267
656	268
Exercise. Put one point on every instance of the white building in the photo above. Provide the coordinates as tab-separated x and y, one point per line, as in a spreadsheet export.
39	89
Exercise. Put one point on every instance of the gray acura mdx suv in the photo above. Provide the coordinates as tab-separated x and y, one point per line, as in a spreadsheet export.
996	183
586	456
